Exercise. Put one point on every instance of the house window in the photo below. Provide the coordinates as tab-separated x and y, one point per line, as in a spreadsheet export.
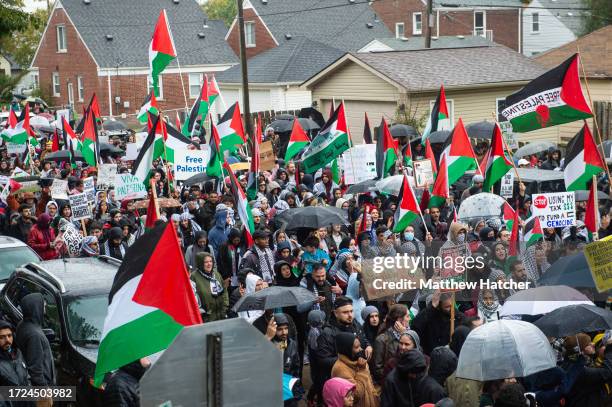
70	94
417	23
249	33
480	23
399	30
195	84
80	89
535	23
61	38
56	84
446	124
161	87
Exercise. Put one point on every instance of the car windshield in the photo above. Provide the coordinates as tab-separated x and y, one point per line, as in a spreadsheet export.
85	316
14	257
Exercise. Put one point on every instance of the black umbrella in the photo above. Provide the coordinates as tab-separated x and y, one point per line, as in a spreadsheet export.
362	187
439	136
582	195
482	130
63	155
403	130
107	149
572	271
284	116
312	113
274	297
573	319
285	126
198	179
114	125
312	217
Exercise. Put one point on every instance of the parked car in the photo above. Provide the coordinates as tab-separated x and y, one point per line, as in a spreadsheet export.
13	253
76	297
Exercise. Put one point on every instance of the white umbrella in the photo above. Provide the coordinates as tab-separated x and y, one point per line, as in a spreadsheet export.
392	185
39	121
482	205
542	300
503	349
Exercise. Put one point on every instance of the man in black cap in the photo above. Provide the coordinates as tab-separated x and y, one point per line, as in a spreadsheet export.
13	370
287	345
200	215
259	257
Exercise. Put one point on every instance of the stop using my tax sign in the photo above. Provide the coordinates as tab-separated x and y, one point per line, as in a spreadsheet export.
188	163
555	210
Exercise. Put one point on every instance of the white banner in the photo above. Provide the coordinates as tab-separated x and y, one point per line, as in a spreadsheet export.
188	163
359	163
13	148
80	206
555	210
58	118
128	186
59	189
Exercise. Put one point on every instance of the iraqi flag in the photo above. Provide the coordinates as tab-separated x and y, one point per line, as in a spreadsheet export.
407	210
533	231
161	50
297	141
198	110
459	154
591	213
252	181
549	100
387	151
231	130
149	106
175	140
90	145
438	112
582	161
497	162
440	192
144	162
150	302
244	211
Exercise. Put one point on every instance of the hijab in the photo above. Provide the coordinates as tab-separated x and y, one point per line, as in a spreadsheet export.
344	344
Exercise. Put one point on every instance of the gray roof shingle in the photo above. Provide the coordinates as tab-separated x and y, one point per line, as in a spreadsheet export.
131	25
425	70
478	3
413	43
291	62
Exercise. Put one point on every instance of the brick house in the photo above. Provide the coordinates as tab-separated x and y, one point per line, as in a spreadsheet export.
101	46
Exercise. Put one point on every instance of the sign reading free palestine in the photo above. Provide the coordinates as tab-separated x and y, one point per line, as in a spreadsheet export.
188	163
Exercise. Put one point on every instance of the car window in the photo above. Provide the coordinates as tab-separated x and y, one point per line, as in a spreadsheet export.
85	319
14	257
19	288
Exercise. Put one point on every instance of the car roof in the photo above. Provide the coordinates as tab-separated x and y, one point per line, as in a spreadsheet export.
8	241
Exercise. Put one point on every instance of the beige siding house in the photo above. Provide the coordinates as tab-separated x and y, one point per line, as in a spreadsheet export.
476	80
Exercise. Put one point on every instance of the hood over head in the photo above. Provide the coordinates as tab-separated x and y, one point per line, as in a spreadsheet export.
335	390
251	282
43	221
33	308
412	361
344	343
459	336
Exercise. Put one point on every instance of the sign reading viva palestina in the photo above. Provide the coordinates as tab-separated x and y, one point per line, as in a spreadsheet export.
127	186
556	210
188	163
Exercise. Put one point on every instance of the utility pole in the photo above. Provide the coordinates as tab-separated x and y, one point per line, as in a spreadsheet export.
429	24
245	76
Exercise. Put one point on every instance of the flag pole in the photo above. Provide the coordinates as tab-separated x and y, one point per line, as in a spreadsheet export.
178	64
595	209
154	193
507	148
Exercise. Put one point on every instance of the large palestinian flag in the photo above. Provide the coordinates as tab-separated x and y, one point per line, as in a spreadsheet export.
90	145
231	131
297	141
161	50
17	132
148	106
332	140
408	209
144	162
215	162
549	100
244	210
459	154
533	231
175	140
199	109
438	112
582	160
497	162
388	150
150	302
440	192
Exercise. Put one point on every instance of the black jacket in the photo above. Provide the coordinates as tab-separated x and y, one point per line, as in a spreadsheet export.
291	359
589	388
433	327
401	392
13	370
123	387
21	230
33	343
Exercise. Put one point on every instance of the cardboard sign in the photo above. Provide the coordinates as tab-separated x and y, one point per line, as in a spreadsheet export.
13	148
106	176
59	189
598	255
72	238
127	186
555	210
359	163
80	206
452	259
389	281
188	163
89	187
423	173
507	185
267	158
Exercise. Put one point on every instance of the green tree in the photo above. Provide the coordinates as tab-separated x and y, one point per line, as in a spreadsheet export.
225	10
13	17
22	44
600	15
7	84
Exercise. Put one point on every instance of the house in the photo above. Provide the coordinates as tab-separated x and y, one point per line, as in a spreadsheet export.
596	58
414	43
476	79
101	46
8	66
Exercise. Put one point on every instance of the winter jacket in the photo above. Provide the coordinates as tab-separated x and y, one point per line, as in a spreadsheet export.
40	244
442	363
590	388
385	348
123	387
365	395
433	327
464	392
214	305
33	343
13	370
217	235
20	230
291	359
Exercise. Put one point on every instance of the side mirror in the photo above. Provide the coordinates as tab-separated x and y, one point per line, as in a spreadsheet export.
50	334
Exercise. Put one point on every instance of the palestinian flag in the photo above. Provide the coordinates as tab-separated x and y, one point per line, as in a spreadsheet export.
297	141
497	163
533	231
332	140
244	211
10	187
549	100
335	172
90	146
508	216
254	170
407	155
213	91
429	154
72	142
12	119
591	213
425	199
175	140
213	169
144	162
367	131
94	106
150	302
17	132
408	209
55	145
582	161
387	151
161	50
440	192
438	112
178	121
152	211
160	135
513	248
148	106
199	109
459	154
231	131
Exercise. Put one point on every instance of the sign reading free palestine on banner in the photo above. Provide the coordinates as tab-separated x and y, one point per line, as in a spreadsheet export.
188	163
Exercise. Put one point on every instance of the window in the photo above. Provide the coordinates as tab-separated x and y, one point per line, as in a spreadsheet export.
446	124
417	23
535	23
480	23
70	94
56	84
61	38
80	89
161	87
399	30
249	33
195	84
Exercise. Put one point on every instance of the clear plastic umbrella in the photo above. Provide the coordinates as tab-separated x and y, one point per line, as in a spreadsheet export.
533	148
483	205
503	349
39	121
542	300
392	185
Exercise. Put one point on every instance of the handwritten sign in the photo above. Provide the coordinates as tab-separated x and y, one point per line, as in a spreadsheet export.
128	186
188	163
266	156
423	173
80	206
359	163
59	189
73	239
13	148
555	210
89	187
507	185
106	176
452	257
598	255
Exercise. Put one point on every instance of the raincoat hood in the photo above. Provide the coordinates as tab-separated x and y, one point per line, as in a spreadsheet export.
412	361
251	282
32	307
335	390
221	218
52	202
454	230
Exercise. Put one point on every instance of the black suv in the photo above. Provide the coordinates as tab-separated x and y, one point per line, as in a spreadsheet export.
76	298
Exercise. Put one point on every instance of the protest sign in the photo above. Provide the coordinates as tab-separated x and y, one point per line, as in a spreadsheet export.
72	238
128	186
28	186
59	189
555	210
106	176
267	159
453	266
89	187
65	113
188	163
507	185
508	134
423	173
359	163
598	255
13	148
80	206
4	179
384	281
103	138
131	151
